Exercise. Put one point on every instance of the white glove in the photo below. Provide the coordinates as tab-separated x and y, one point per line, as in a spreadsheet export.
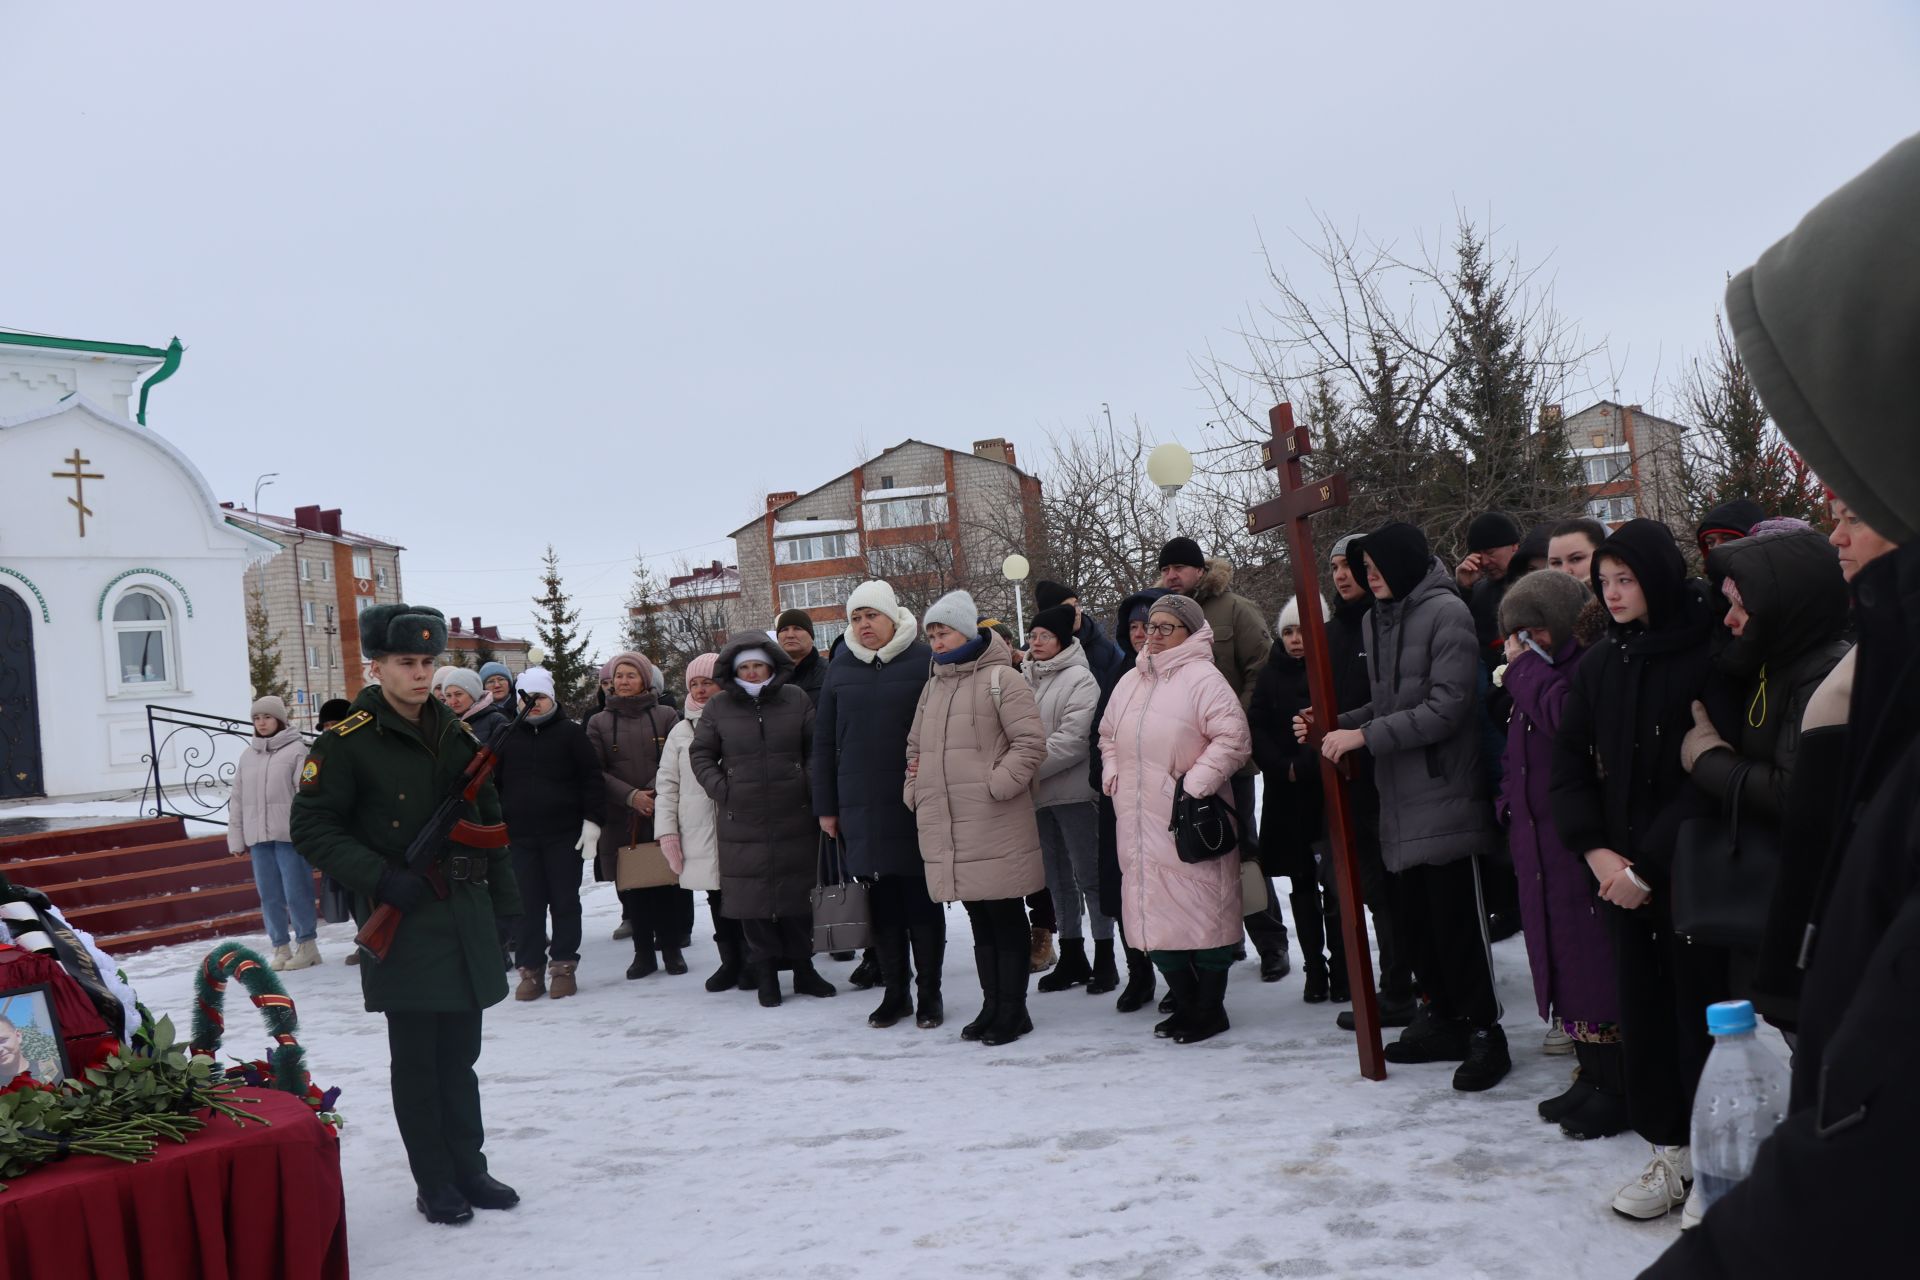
589	841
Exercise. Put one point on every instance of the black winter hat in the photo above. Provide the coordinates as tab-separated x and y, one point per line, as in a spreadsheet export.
1058	620
402	628
1400	551
1736	517
1048	593
1183	551
334	710
1647	547
1494	529
794	618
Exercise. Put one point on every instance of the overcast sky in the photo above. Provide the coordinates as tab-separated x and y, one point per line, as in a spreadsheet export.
604	274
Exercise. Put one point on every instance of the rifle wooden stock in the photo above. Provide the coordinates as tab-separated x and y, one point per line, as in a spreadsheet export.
376	935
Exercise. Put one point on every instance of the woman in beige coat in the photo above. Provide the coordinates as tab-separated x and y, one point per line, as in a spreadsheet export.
258	813
973	751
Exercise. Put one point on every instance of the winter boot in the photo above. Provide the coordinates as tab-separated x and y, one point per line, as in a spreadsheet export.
1602	1111
644	962
1011	1020
281	955
1487	1061
1315	990
1183	991
1309	925
840	955
1043	953
305	955
670	958
1274	964
484	1192
444	1205
1209	1016
890	948
1072	969
808	982
1393	1013
1140	984
987	963
560	983
623	931
767	975
866	975
1429	1038
929	945
1105	976
1561	1105
729	972
353	957
1168	1002
531	987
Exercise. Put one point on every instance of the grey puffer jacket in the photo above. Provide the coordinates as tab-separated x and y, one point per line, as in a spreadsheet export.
751	755
1422	726
263	785
1067	693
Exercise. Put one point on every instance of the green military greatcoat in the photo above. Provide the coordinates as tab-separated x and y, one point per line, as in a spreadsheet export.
369	784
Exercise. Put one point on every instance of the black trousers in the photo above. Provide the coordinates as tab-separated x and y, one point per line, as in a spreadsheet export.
725	929
1394	982
1001	925
1266	927
786	943
1446	942
548	869
436	1096
1039	906
660	916
1665	985
902	902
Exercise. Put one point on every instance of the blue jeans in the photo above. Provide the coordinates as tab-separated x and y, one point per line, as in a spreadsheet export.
285	882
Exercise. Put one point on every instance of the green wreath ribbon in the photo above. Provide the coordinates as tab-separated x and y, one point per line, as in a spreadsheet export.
231	961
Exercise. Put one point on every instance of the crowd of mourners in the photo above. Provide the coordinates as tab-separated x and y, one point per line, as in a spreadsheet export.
1566	732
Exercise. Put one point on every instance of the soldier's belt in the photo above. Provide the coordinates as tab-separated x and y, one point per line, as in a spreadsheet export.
472	869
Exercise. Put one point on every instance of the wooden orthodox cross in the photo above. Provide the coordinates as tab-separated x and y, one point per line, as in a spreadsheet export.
1298	500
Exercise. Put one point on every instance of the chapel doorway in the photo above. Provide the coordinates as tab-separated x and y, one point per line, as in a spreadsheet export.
19	702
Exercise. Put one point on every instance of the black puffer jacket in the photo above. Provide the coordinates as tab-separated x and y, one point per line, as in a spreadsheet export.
549	780
1291	804
1792	588
751	754
860	729
1617	780
809	675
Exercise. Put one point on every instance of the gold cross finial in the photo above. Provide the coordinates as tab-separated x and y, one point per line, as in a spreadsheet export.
79	475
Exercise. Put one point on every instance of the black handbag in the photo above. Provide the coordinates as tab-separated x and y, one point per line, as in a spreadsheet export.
842	920
1204	827
1724	873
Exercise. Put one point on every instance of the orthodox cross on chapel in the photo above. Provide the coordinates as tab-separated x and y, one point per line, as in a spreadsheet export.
1298	500
79	475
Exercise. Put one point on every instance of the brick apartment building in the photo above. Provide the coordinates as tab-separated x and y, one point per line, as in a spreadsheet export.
927	519
315	590
1629	461
697	612
470	641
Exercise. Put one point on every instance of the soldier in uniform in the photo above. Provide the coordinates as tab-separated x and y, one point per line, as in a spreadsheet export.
369	784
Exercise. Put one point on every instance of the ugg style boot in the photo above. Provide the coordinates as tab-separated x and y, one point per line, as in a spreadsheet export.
1601	1110
890	947
1487	1061
767	976
1073	968
808	982
987	965
623	931
1208	1017
531	987
305	955
1183	992
560	983
1043	952
644	964
1105	976
670	958
728	973
282	954
1138	993
1010	1020
929	954
866	975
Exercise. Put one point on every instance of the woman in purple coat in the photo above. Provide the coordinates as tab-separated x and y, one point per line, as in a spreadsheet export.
1567	942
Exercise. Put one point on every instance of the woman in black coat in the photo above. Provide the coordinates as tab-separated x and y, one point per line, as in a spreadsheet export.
750	754
1619	791
861	720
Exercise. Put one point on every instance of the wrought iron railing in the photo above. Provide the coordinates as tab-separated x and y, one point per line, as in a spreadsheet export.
191	759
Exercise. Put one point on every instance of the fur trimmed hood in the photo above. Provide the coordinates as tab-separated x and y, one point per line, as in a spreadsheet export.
1215	581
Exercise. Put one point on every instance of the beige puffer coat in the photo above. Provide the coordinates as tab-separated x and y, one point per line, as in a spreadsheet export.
681	808
263	786
971	757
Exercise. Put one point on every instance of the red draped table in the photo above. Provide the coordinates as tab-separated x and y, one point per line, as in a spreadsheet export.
263	1202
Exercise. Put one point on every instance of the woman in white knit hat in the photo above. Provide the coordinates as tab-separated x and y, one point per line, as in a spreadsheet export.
258	814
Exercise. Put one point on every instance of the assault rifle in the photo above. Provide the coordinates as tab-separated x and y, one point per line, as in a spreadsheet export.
446	825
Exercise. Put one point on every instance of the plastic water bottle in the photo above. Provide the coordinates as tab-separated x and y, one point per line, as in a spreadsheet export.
1742	1096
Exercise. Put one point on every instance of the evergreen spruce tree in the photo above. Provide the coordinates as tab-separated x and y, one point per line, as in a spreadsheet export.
263	645
483	653
557	623
1735	452
645	598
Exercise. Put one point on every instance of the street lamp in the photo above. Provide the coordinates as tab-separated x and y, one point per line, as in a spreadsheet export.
261	482
1169	466
1016	568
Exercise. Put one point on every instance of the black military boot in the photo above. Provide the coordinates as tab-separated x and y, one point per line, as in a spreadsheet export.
485	1192
443	1204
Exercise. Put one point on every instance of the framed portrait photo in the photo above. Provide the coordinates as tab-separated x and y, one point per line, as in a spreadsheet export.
30	1042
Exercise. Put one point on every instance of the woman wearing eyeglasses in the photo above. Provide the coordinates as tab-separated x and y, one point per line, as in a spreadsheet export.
1174	724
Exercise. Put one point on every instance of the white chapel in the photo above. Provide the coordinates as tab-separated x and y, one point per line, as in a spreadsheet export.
120	579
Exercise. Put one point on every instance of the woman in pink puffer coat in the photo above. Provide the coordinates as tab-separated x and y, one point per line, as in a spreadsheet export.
1174	718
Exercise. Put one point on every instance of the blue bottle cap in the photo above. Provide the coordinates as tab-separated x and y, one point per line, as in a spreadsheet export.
1729	1017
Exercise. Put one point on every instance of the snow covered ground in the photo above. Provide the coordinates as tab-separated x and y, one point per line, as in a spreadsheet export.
656	1130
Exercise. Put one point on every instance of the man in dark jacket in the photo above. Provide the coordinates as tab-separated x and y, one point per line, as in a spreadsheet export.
1104	656
369	785
1493	541
1827	328
794	630
554	801
860	727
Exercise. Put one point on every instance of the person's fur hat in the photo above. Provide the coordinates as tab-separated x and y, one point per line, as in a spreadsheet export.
1544	601
402	628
